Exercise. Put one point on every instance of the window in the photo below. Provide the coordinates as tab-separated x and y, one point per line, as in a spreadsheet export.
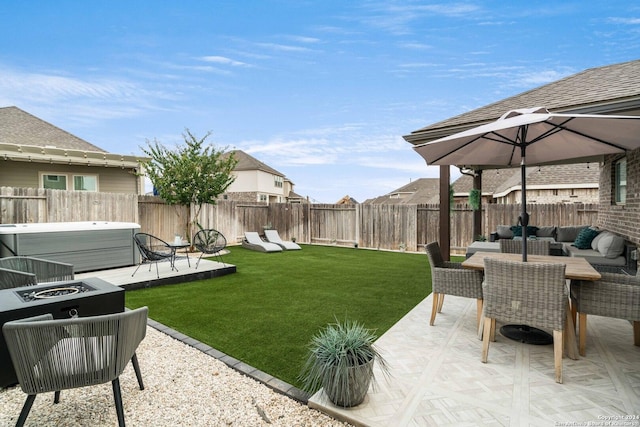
262	198
85	183
54	182
60	181
621	181
277	181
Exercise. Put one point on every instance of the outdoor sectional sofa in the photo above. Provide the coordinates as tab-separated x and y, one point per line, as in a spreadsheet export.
606	251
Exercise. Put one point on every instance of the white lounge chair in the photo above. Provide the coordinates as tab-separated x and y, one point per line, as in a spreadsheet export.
273	237
253	241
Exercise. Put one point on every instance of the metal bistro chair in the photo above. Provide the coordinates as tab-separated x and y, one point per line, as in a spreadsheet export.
54	355
449	278
16	271
153	250
529	293
210	242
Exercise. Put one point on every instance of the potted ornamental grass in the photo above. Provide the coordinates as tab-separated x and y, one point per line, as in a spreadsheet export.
340	360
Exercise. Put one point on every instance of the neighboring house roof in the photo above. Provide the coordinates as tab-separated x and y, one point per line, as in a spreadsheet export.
24	137
609	89
501	182
491	179
247	162
420	191
347	200
21	128
553	177
293	196
496	183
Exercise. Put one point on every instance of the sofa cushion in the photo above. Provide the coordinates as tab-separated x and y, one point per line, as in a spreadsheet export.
549	231
504	232
593	257
585	237
611	246
569	233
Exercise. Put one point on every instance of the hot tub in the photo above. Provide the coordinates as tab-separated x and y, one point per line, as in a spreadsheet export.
88	245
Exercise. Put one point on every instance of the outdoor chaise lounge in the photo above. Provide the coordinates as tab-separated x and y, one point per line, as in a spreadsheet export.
253	241
273	237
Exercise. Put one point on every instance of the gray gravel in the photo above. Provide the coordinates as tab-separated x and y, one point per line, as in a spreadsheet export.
183	387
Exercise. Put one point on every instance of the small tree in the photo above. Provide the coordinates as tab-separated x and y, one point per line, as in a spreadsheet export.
189	175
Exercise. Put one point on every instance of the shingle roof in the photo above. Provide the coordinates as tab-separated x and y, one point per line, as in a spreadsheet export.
249	163
491	179
549	177
420	191
21	128
593	90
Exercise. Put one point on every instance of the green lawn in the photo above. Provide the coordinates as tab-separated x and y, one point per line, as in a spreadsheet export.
266	313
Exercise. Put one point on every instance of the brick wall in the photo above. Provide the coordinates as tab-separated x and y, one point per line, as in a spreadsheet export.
621	219
246	197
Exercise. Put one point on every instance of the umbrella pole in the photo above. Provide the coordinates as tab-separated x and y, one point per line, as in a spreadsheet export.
524	216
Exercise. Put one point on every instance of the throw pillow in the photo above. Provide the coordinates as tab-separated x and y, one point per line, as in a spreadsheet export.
517	230
585	236
611	246
594	242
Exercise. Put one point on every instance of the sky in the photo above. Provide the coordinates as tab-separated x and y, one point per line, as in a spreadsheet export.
321	91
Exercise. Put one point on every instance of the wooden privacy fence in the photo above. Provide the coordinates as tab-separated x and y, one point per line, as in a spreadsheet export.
391	227
26	205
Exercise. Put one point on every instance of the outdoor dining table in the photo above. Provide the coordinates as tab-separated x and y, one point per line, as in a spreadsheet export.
576	269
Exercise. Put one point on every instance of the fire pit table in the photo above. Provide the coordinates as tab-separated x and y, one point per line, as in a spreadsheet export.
86	297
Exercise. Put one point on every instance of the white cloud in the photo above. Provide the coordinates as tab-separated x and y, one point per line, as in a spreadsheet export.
283	47
625	21
224	61
86	100
50	86
304	39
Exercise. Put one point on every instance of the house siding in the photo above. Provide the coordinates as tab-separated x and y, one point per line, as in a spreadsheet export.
27	174
250	185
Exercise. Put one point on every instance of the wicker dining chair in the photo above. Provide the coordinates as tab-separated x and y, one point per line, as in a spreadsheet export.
529	293
449	278
534	247
54	355
614	295
16	271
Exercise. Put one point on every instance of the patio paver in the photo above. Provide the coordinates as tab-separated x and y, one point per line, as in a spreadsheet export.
438	379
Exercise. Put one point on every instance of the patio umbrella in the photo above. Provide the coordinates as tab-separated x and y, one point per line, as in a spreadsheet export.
534	136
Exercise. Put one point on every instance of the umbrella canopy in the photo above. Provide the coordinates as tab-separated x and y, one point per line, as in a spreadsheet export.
534	136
